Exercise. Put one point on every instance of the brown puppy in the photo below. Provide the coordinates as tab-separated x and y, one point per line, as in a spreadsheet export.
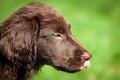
36	35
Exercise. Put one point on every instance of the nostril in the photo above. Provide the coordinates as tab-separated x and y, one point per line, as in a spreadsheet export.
86	55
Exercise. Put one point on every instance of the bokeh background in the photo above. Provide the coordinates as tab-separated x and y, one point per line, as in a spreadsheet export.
95	23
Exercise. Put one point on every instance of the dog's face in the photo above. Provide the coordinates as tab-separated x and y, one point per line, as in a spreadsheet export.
58	48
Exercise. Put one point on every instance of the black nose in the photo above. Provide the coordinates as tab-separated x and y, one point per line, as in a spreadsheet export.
86	55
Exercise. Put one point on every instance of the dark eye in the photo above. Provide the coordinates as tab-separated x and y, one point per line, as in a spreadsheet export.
58	35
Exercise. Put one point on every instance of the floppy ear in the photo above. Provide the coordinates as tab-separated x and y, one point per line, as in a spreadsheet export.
18	37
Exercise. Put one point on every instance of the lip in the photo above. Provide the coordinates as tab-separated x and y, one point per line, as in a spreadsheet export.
86	64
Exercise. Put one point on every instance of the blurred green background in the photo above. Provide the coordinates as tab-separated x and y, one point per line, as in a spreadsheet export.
95	23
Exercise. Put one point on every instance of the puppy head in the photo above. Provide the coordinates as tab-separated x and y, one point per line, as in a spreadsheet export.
57	47
36	35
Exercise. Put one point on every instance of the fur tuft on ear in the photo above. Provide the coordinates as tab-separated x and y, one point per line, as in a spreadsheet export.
18	37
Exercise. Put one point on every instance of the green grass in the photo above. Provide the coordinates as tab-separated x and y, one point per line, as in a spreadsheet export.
96	24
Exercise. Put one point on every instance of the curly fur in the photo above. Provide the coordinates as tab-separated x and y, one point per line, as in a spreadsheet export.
31	37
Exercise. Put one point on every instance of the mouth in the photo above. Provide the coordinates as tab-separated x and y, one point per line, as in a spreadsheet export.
86	64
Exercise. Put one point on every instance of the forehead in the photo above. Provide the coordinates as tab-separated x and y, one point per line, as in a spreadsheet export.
55	23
